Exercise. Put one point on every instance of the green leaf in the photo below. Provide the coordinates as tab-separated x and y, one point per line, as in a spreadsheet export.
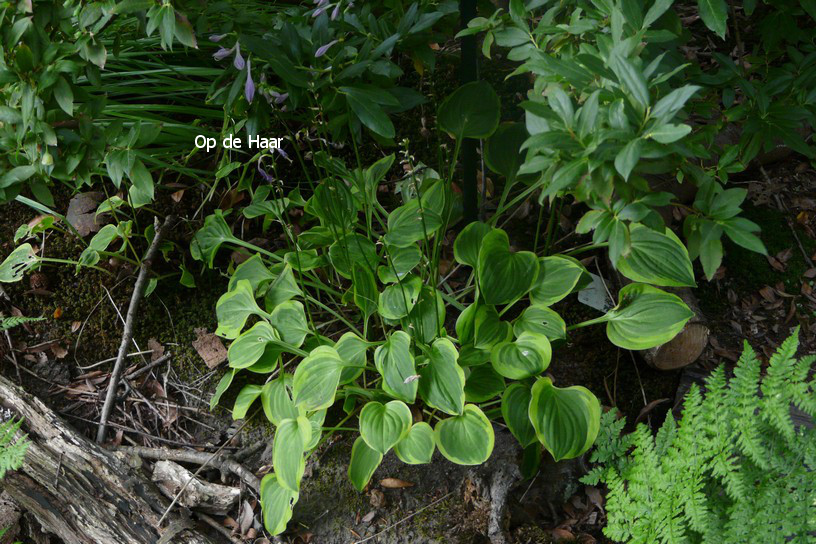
233	309
64	96
17	263
365	289
515	409
472	111
291	439
282	288
442	382
740	232
316	379
397	300
466	439
131	6
566	420
289	319
276	400
255	272
371	115
483	384
668	133
714	14
504	276
418	445
364	461
468	242
529	355
541	320
628	157
668	106
427	319
656	258
277	503
558	276
383	425
632	80
209	238
245	399
249	347
141	192
502	151
401	261
410	223
351	249
221	388
395	363
352	350
645	317
100	242
489	329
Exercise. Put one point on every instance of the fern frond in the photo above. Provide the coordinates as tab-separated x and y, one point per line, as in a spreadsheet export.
7	323
12	449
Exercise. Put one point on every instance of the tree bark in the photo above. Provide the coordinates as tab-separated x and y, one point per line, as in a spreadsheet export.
81	492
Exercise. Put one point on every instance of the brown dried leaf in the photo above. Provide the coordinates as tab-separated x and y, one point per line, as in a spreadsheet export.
395	483
76	325
177	195
377	498
210	348
369	517
157	348
82	213
59	351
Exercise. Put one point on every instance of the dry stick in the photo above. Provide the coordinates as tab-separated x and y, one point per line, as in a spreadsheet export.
138	372
127	335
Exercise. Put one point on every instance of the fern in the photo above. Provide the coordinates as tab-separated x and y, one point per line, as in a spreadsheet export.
7	323
734	468
12	449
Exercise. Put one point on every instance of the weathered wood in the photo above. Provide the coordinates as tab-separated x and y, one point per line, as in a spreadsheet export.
213	498
78	490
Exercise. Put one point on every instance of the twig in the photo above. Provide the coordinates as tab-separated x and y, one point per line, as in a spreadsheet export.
217	526
127	335
197	458
112	359
138	372
406	518
13	356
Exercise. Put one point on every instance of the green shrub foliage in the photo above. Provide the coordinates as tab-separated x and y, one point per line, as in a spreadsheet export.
734	468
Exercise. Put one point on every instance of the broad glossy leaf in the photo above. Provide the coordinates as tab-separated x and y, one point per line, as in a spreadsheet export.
17	263
468	242
502	151
209	238
541	320
245	399
401	261
395	363
489	329
645	317
566	420
250	346
234	307
442	382
352	350
504	276
411	222
364	289
427	318
277	503
472	111
255	272
529	355
398	299
466	439
656	258
282	288
418	445
557	277
316	419
714	14
269	359
383	425
371	115
353	248
466	324
515	409
289	319
483	383
364	461
277	401
291	439
221	388
316	379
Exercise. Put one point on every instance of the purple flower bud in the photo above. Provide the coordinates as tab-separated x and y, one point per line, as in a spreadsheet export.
319	11
238	61
281	98
320	3
282	153
335	12
222	53
249	88
324	48
217	37
264	174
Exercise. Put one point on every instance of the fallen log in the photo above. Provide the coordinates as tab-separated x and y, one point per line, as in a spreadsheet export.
81	492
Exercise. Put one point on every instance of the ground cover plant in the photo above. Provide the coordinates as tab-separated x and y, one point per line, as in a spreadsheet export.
360	297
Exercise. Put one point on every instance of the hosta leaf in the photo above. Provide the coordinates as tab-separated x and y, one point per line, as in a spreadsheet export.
645	317
277	401
316	419
316	379
566	420
468	242
282	288
472	111
466	439
250	346
411	222
383	425
395	363
401	261
352	350
364	461
397	300
364	289
291	439
515	409
418	445
442	382
234	307
245	399
541	320
483	384
489	329
255	272
269	359
289	319
529	355
277	503
427	318
557	277
353	248
17	263
221	388
656	258
503	149
504	276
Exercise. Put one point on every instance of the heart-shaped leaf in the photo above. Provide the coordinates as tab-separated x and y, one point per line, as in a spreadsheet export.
515	409
352	350
277	503
504	276
244	401
466	439
645	317
401	261
483	383
657	258
283	288
234	307
397	300
277	401
364	461
250	346
17	263
255	272
316	379
427	319
558	276
411	222
418	445
289	319
472	111
209	238
489	329
468	242
502	152
291	439
383	425
395	363
529	355
566	420
353	248
541	320
442	382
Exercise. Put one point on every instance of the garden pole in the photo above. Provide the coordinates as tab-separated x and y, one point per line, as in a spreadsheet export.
467	73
